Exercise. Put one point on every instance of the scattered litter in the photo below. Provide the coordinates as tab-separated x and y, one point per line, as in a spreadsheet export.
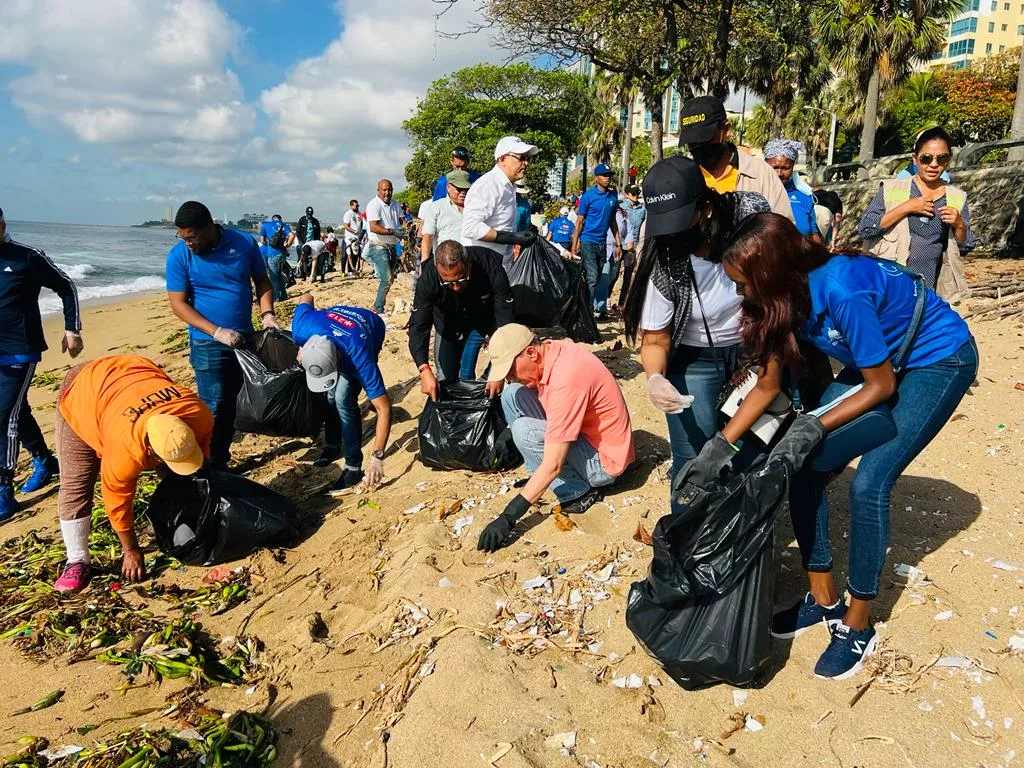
65	750
563	522
417	508
566	740
910	572
632	500
537	582
633	681
1004	566
925	706
944	616
978	705
990	633
653	681
992	451
421	486
445	583
503	749
462	523
967	553
752	724
1014	612
739	698
561	571
954	662
1007	723
1015	644
604	574
641	535
426	669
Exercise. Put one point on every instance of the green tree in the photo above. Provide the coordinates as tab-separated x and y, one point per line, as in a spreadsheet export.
878	42
476	106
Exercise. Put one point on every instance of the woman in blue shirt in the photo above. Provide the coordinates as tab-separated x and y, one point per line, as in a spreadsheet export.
782	154
857	309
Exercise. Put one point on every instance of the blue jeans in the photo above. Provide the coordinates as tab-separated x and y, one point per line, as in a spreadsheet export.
456	358
343	429
924	401
693	371
593	257
609	274
380	256
470	354
582	469
218	381
274	273
16	416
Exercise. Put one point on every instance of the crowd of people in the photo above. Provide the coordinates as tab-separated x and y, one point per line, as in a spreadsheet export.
726	267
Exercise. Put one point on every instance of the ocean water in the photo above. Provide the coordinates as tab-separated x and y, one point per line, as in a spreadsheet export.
105	262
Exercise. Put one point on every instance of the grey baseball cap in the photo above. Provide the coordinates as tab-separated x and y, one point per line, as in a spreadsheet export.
320	361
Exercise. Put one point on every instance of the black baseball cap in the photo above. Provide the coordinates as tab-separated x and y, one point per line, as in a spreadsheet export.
309	210
700	118
461	152
671	190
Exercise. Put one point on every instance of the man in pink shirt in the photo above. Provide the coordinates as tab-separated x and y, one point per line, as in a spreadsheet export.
568	419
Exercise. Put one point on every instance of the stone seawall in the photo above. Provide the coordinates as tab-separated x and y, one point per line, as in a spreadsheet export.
993	196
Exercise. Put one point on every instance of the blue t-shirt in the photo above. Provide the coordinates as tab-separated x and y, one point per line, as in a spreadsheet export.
218	282
522	213
441	185
860	311
357	333
803	210
598	207
561	230
269	229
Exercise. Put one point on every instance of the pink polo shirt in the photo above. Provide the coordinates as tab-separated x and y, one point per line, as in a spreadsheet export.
581	397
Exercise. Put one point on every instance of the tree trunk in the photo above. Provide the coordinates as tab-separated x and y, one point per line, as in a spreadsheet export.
657	107
627	136
718	83
1016	154
867	133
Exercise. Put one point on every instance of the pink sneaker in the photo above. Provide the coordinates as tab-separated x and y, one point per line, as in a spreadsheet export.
73	578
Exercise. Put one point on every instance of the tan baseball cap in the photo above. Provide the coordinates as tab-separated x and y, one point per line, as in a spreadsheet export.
174	441
505	346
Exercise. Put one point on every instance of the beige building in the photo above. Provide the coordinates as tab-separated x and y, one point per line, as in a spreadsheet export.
984	28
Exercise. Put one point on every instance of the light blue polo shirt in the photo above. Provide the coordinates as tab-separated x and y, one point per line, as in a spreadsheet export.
218	282
860	311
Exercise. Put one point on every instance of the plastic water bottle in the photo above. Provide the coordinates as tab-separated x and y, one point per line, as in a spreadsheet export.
183	535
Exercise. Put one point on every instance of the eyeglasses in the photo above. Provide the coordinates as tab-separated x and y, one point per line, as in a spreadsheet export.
191	239
940	160
520	158
457	281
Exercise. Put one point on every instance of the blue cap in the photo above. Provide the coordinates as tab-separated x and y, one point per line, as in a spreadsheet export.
602	169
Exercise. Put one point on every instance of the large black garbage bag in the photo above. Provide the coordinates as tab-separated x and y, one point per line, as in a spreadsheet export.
539	280
465	429
274	399
577	315
213	517
704	610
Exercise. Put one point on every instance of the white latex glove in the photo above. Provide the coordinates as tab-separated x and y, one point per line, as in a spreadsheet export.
228	337
374	473
269	321
666	397
72	343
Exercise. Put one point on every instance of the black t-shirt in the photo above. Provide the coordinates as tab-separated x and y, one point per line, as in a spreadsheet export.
829	199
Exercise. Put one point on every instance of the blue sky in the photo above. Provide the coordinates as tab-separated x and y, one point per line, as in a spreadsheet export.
113	109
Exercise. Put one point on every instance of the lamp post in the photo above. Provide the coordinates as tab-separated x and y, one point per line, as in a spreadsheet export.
831	132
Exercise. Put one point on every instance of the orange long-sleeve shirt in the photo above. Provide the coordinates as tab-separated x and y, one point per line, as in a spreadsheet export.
108	405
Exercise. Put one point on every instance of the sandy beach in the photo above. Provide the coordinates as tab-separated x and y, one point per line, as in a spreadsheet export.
437	654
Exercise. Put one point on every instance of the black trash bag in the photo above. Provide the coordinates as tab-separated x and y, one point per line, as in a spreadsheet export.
539	279
577	315
214	517
465	429
704	611
274	399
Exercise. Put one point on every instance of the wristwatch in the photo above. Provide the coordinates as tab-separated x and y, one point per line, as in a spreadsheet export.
378	455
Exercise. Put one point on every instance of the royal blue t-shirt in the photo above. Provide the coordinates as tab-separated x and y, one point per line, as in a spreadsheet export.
860	311
598	207
441	185
561	230
803	210
357	333
218	282
269	229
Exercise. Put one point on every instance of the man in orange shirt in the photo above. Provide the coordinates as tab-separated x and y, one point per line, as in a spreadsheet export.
117	416
568	419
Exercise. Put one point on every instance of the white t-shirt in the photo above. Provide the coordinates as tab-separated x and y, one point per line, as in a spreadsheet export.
387	216
316	247
444	222
721	302
354	220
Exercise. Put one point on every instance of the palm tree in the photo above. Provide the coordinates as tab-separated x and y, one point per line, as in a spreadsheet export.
613	93
877	42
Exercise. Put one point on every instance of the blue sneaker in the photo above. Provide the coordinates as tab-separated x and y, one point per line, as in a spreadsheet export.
845	654
804	615
44	469
8	504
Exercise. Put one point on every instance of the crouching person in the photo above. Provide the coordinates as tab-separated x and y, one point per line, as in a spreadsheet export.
340	347
117	416
568	419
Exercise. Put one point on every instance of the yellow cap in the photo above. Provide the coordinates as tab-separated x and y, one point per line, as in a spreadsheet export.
174	441
505	345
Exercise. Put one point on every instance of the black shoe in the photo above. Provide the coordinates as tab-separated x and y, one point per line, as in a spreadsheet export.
582	503
327	457
350	478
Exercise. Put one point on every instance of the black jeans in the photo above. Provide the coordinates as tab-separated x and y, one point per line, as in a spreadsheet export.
16	414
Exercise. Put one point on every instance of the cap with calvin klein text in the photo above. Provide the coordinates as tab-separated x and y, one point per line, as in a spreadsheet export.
671	190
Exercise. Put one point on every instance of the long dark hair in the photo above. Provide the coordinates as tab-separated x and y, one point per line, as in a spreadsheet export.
714	228
775	260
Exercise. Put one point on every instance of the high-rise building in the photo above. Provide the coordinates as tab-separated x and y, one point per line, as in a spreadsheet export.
168	213
983	28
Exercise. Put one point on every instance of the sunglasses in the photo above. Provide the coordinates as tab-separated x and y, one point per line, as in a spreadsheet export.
461	155
942	159
520	158
457	281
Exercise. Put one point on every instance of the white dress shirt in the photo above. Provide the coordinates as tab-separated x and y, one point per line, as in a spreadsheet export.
490	204
387	216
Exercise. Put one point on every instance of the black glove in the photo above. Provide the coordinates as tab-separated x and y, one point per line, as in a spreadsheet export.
524	238
495	535
703	470
800	440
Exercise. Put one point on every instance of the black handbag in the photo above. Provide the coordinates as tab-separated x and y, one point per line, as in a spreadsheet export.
876	426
